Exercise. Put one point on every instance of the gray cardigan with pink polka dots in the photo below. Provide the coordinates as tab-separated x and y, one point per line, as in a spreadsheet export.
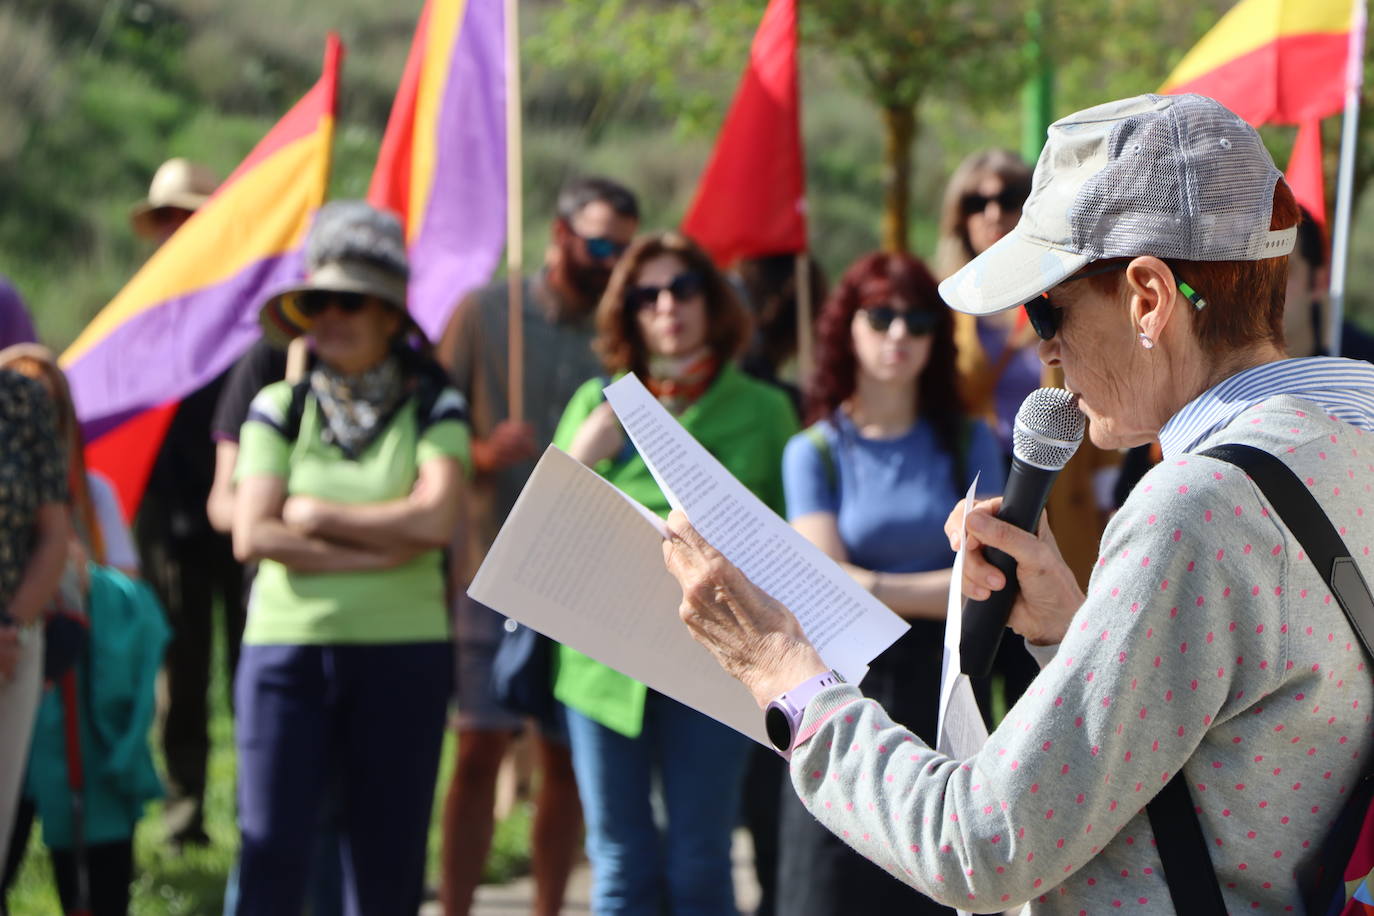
1207	641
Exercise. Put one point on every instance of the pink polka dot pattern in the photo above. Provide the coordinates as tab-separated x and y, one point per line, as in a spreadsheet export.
1221	654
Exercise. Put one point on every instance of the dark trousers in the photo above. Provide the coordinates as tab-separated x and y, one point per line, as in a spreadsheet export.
189	573
364	721
109	869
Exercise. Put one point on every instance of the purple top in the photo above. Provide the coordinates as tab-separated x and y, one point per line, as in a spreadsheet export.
15	324
1020	377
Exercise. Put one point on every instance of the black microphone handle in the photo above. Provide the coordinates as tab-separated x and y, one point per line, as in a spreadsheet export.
985	621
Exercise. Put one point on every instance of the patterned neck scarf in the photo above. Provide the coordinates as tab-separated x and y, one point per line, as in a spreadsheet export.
678	381
358	407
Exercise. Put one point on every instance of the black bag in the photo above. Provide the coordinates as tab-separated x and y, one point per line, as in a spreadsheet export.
522	672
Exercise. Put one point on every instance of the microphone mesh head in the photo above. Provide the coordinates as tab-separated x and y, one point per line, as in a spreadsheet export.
1049	427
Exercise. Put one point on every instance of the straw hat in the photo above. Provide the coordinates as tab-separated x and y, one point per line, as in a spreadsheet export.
352	247
178	183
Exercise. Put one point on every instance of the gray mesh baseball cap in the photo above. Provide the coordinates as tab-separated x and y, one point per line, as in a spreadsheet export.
1174	176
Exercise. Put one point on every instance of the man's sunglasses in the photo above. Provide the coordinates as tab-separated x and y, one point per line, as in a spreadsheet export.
315	302
1046	317
917	324
683	286
1006	199
603	248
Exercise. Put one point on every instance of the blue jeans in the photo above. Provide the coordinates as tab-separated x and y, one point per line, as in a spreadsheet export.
700	765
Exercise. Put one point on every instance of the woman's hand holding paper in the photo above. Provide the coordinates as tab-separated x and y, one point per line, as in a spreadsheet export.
753	637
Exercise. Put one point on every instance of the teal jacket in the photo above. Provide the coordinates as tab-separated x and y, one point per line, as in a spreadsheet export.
115	682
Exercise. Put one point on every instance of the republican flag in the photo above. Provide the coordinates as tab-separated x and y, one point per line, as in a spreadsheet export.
1278	62
1272	61
192	309
752	196
442	164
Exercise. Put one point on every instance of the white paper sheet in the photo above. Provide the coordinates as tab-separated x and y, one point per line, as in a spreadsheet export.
961	731
846	624
580	562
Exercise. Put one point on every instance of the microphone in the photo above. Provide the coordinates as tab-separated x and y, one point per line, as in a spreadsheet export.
1049	427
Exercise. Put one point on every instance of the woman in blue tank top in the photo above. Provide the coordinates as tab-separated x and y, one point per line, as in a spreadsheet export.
870	483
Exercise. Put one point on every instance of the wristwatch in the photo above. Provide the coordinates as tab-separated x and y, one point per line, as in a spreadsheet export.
783	716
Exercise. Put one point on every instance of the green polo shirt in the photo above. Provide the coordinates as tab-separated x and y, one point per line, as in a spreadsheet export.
402	604
745	424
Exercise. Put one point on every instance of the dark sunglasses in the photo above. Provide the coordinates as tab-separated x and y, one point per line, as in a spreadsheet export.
683	286
603	248
1007	199
917	324
1046	317
315	302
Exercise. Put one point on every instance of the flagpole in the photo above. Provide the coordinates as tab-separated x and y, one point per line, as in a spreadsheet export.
515	269
1345	182
805	324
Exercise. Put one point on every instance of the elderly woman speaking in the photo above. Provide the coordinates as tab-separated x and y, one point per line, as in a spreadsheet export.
1152	250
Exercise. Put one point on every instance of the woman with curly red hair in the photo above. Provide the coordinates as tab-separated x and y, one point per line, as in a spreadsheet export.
869	483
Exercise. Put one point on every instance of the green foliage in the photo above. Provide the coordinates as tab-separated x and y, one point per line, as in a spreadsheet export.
99	92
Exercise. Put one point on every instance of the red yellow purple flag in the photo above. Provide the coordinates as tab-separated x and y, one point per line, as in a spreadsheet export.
192	308
1272	61
442	164
752	196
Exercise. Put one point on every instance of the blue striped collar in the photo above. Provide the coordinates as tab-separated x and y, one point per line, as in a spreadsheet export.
1344	388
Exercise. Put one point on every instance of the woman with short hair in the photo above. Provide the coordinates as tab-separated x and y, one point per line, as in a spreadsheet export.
347	494
669	317
1208	655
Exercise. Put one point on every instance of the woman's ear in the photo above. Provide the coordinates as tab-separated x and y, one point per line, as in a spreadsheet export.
1154	297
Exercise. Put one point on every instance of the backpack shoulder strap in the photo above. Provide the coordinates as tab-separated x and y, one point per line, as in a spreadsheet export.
1182	848
1304	516
291	429
815	434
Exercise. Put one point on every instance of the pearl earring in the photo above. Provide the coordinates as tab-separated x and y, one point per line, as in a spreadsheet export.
1146	342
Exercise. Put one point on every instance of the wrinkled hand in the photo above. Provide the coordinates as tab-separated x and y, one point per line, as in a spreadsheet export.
599	437
303	514
509	443
9	652
753	637
1049	595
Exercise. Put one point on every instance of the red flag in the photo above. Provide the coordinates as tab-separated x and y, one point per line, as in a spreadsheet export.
752	196
390	188
1305	175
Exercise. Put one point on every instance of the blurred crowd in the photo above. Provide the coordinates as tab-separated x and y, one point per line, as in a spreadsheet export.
335	491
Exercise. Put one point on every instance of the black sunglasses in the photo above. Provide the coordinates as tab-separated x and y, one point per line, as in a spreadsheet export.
1046	317
602	248
1007	199
314	302
917	324
683	286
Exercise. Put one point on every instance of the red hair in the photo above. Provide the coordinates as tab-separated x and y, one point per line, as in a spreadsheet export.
872	280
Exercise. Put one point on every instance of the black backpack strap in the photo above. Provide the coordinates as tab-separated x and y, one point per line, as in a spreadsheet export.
1183	852
296	409
1304	516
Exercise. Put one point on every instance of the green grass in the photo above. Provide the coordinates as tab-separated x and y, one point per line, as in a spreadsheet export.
192	883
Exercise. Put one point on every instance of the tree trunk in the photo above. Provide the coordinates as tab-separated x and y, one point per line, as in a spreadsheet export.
899	133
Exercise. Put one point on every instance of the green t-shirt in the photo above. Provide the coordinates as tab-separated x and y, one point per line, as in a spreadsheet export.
403	604
745	424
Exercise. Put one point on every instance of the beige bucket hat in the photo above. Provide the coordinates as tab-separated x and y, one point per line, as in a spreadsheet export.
178	183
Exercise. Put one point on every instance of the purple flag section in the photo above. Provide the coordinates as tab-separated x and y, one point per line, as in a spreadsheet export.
189	341
462	230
